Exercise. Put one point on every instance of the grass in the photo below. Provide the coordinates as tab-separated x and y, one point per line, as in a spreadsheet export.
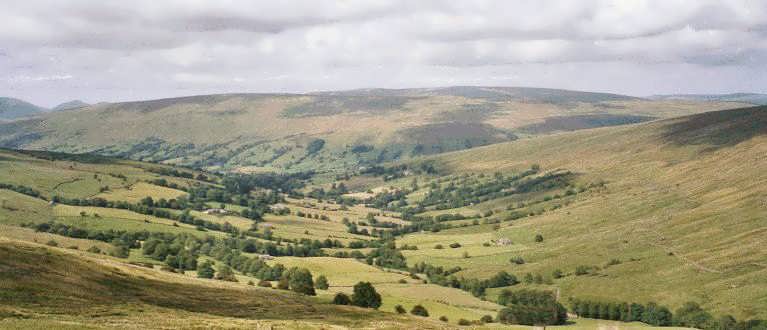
140	190
119	220
74	289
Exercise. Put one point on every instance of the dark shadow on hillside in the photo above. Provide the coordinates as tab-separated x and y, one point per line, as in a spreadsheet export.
718	129
578	122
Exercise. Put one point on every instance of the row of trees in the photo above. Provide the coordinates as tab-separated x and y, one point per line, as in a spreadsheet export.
689	315
531	307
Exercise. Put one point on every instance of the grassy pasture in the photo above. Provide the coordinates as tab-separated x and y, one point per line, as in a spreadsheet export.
119	220
140	190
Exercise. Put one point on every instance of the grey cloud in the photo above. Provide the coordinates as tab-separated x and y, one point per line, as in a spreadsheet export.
117	50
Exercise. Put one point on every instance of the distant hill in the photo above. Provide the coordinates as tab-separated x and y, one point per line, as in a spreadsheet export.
753	98
74	104
11	108
329	131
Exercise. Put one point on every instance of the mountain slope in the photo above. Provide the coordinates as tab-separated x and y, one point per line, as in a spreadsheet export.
11	108
330	131
682	212
74	104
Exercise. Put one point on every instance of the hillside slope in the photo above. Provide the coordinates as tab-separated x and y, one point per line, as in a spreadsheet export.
59	288
329	131
11	108
682	213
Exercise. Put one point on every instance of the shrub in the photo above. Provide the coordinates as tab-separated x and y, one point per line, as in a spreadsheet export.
486	319
582	270
365	295
438	246
322	282
464	322
399	309
538	238
517	260
455	245
265	284
341	299
557	273
443	318
205	270
94	249
52	243
251	283
419	311
226	274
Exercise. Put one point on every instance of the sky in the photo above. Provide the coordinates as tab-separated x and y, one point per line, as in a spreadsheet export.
56	51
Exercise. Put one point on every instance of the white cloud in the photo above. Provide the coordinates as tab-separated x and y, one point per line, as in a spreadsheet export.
141	49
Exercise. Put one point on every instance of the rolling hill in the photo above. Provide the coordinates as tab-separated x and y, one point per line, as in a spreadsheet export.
11	108
74	104
328	131
680	215
753	98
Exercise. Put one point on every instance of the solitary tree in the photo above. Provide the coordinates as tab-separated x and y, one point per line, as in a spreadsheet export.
341	299
206	270
322	282
419	310
300	280
226	274
365	295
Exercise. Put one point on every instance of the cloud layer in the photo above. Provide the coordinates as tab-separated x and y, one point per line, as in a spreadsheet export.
53	51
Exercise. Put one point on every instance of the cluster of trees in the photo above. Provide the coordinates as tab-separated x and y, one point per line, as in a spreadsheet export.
20	189
122	241
476	191
335	193
364	295
164	171
689	315
531	307
446	277
387	256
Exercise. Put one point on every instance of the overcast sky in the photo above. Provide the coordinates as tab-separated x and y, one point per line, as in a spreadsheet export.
55	51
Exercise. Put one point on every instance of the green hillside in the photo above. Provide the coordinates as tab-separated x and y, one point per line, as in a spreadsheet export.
669	211
330	131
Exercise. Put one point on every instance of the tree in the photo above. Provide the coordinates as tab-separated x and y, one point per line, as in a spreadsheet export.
322	282
419	311
225	274
365	295
399	309
300	281
342	299
692	315
206	270
656	315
